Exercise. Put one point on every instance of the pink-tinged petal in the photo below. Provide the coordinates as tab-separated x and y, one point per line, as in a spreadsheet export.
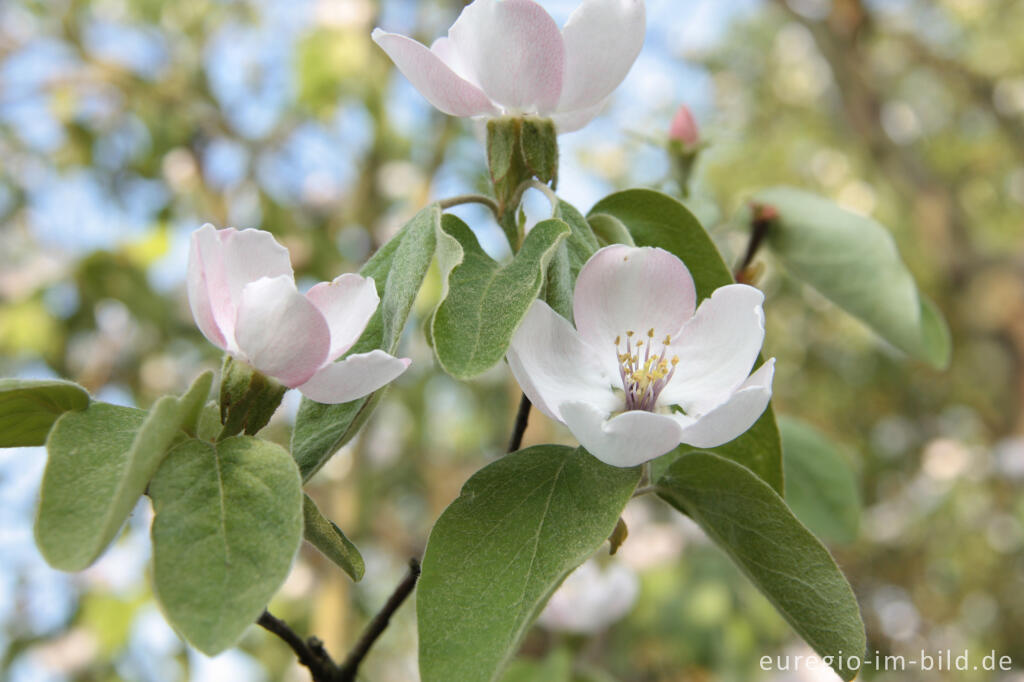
435	80
602	40
237	258
716	348
625	440
571	121
553	366
626	288
279	332
347	304
733	417
355	376
513	50
206	288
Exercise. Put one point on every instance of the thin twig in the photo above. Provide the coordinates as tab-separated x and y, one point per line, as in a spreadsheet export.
320	665
762	219
522	416
470	199
348	669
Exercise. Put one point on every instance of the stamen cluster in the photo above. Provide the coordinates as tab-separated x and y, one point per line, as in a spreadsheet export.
644	373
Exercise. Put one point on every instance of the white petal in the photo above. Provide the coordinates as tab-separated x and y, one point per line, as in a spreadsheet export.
552	364
625	440
602	40
206	287
347	304
230	259
571	121
513	50
355	376
733	417
716	348
435	80
279	332
625	288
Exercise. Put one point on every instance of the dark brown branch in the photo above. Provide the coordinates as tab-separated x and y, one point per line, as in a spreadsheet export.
760	222
347	671
310	654
522	416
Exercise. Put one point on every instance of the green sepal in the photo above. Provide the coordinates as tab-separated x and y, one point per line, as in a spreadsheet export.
539	144
248	399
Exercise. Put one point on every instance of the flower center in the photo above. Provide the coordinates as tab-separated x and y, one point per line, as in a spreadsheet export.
644	371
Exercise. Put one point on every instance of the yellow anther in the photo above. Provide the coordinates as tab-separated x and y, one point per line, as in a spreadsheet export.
629	333
618	339
675	360
668	340
650	332
639	343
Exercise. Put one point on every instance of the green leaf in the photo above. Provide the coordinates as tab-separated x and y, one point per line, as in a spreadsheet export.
852	260
228	524
28	408
98	465
748	520
90	485
518	528
482	302
821	488
325	535
655	219
555	667
610	229
398	268
570	257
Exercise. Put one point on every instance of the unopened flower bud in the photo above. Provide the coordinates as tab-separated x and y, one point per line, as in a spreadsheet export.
683	128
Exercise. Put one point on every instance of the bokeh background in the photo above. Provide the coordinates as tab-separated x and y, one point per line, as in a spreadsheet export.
126	124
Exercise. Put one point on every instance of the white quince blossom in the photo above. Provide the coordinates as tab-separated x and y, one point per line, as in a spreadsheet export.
242	292
645	369
591	598
508	57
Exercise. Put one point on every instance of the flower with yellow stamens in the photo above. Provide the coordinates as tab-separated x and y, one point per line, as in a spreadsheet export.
627	399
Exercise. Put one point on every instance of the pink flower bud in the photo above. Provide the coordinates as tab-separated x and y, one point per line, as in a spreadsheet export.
683	127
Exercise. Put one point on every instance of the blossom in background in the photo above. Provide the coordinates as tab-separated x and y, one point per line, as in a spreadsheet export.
645	370
242	291
591	598
683	128
508	57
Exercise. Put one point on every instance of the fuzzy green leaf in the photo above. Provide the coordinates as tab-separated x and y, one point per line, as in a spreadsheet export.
99	462
791	567
227	524
655	219
483	302
398	269
852	260
518	528
325	535
28	408
821	488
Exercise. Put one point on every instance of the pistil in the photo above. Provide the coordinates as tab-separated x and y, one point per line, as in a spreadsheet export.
644	372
